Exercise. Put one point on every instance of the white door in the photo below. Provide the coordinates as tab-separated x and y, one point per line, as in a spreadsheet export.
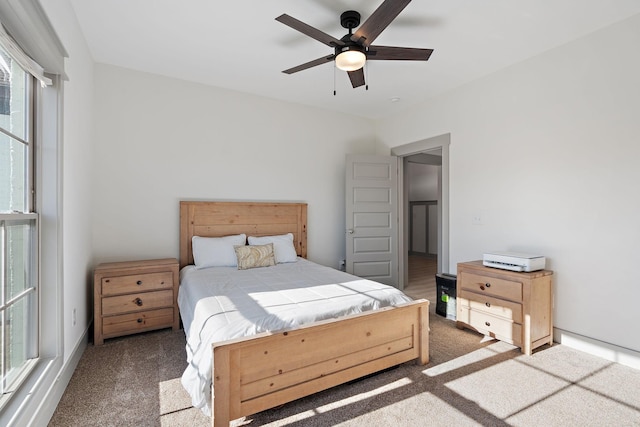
372	217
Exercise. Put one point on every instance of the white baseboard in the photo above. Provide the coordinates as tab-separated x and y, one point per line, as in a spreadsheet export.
602	349
47	407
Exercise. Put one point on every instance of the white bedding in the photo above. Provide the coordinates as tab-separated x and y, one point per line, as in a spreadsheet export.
221	303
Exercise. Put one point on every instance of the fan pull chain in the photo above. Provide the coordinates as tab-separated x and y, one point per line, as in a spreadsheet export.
334	81
366	71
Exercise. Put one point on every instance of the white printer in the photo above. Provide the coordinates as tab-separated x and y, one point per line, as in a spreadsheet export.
514	261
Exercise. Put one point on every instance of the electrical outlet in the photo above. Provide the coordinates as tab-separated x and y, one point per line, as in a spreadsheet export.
476	219
73	317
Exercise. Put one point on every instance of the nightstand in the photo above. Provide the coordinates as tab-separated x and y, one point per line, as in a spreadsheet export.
135	296
506	305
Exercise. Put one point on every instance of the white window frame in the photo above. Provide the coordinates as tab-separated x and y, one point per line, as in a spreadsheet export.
10	383
11	380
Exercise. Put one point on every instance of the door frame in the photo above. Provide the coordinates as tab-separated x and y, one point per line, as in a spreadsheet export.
441	142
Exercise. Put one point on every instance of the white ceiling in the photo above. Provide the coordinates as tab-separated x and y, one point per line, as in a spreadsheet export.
237	44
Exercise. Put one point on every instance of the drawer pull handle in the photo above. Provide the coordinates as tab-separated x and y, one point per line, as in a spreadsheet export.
139	282
487	323
488	304
488	285
140	320
138	302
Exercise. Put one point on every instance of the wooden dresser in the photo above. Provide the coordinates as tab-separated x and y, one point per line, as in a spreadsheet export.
506	305
135	296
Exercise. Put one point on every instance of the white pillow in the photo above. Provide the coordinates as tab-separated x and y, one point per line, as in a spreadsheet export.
282	246
216	251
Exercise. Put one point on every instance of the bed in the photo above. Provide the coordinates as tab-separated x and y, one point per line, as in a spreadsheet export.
250	363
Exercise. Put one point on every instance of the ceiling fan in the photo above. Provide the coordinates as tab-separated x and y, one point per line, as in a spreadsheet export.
354	49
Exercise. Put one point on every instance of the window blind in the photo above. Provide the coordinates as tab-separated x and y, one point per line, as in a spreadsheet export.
18	55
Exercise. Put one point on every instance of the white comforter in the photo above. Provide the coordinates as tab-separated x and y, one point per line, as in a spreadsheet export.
221	303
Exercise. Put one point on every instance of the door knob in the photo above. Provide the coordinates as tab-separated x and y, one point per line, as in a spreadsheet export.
350	231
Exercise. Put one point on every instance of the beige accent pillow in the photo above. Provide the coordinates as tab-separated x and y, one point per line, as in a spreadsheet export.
253	256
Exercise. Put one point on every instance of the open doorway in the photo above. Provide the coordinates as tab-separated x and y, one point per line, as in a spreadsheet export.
424	168
422	172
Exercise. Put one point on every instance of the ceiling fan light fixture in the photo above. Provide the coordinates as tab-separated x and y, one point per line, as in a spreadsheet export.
351	58
352	50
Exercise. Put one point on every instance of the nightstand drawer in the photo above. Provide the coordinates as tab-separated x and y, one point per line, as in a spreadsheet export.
136	302
500	288
133	322
497	327
136	283
490	305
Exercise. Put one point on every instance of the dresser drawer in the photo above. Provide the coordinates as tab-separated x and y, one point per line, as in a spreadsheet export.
136	283
497	327
134	322
491	305
492	286
136	302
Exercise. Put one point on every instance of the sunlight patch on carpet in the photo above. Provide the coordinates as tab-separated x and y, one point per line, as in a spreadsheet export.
507	378
363	396
469	358
173	397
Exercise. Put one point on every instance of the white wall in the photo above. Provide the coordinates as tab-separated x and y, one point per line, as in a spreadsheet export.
160	140
546	152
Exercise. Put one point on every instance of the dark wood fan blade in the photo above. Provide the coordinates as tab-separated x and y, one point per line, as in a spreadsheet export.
356	77
398	53
310	31
378	21
310	64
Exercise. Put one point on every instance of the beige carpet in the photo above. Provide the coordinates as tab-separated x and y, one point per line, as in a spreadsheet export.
135	381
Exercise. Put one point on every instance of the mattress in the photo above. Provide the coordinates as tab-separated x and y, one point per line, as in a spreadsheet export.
221	303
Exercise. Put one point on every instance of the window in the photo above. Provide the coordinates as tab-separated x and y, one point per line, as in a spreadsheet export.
18	226
31	280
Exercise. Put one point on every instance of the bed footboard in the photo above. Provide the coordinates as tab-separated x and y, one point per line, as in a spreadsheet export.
267	370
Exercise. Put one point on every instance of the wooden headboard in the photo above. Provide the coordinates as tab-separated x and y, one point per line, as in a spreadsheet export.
217	219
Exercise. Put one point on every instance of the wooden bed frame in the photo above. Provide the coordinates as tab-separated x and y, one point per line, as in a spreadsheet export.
256	373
